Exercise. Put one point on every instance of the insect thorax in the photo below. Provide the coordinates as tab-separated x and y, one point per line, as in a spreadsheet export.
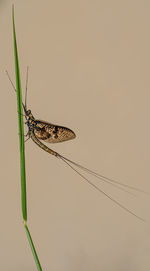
31	123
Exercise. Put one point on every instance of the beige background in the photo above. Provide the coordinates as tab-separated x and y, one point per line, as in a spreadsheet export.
89	70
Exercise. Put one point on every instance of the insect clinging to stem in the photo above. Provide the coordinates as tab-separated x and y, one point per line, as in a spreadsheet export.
40	130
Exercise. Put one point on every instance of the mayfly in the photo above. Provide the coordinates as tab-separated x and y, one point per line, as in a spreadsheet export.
40	130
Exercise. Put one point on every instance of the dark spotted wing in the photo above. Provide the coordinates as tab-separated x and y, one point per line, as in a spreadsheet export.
52	133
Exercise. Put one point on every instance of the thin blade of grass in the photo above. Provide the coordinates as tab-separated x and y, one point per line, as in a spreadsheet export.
33	249
22	148
20	122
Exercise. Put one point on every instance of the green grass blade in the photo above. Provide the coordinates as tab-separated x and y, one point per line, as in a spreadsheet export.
22	149
33	249
21	129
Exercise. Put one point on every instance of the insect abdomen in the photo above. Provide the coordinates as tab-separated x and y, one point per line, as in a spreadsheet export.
41	145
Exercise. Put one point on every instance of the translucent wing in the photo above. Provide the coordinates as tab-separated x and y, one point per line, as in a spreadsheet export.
52	133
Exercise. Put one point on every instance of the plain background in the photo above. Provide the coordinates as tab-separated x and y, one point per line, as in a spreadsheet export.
89	67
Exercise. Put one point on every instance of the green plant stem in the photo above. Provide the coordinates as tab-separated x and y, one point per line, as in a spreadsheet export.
21	129
33	248
22	148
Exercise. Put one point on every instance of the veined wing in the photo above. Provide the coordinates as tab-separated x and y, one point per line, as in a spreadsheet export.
52	133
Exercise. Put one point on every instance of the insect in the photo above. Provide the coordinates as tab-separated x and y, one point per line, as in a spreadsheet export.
40	131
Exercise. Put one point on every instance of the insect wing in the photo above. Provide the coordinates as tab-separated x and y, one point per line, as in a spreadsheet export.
52	133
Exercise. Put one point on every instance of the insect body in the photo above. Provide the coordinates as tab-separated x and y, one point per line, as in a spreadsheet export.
48	132
40	130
